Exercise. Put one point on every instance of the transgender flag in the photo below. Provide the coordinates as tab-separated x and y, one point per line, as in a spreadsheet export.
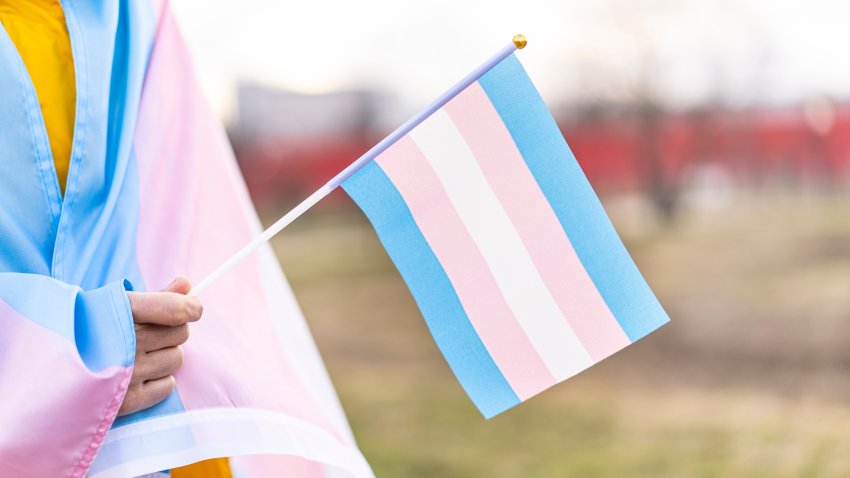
509	254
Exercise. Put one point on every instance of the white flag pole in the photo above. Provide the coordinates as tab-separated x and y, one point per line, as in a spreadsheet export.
518	42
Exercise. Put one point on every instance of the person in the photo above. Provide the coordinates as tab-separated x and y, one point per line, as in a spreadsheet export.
64	260
116	180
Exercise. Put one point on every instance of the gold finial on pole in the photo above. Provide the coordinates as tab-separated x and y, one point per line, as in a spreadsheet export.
520	41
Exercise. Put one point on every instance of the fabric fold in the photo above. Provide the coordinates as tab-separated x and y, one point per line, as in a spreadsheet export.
76	349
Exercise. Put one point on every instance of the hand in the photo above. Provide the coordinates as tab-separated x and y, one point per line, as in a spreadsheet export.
162	325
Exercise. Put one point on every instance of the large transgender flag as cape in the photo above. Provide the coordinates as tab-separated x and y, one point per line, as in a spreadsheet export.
512	260
153	192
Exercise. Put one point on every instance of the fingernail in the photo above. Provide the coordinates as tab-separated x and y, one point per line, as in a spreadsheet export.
199	308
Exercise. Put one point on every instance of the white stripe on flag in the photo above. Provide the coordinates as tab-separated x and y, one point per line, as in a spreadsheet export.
500	244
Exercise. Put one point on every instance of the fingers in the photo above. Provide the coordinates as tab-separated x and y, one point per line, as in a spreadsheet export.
152	337
158	364
161	320
158	390
152	380
164	308
179	285
146	395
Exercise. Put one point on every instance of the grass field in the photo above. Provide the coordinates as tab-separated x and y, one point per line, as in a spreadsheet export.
750	379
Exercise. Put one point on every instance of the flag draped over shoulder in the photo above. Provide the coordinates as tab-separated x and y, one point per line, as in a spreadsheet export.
153	192
511	258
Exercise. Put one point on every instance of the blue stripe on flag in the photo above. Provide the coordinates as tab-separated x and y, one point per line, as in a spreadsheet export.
578	209
376	195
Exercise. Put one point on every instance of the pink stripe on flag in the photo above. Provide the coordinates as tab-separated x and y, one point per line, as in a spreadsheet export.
466	268
234	358
51	400
535	221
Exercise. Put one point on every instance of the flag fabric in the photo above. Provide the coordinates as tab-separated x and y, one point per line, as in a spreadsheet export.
153	192
514	264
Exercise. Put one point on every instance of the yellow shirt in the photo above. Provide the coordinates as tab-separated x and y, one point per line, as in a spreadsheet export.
38	30
218	468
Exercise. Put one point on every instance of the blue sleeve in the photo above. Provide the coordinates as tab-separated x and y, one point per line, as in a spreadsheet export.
66	357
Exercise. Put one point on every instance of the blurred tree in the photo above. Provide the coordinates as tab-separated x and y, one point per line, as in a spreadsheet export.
639	54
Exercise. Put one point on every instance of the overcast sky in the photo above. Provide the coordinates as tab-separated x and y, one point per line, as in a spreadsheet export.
684	52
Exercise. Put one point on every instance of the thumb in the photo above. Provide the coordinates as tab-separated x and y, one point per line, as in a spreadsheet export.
179	285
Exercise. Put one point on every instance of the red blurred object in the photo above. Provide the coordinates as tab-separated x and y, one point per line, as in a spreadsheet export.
752	145
629	149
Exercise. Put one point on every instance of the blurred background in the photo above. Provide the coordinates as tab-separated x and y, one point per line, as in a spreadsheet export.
717	135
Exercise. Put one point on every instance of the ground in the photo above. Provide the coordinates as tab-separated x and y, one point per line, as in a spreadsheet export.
750	379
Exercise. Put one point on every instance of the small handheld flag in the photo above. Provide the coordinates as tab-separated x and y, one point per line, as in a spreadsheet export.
485	212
